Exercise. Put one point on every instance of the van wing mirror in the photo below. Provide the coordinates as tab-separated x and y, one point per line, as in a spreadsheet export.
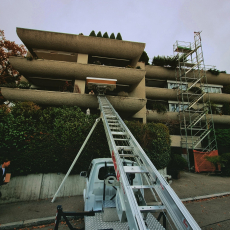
83	174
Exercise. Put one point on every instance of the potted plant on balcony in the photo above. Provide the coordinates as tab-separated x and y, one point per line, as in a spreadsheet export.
176	164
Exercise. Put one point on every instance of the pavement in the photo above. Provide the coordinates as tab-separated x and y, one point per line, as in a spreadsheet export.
190	188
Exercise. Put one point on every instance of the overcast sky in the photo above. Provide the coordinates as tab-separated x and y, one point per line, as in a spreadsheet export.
158	23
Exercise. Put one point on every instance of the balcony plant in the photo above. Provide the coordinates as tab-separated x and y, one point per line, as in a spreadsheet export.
176	164
159	107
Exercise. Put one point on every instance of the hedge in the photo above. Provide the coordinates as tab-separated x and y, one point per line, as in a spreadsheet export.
46	140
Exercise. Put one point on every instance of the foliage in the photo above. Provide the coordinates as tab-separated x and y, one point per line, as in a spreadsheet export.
223	160
226	89
154	139
123	94
8	48
129	66
177	162
46	140
225	164
171	62
144	58
159	107
92	33
215	160
99	34
105	35
226	109
24	85
222	137
112	36
119	36
215	71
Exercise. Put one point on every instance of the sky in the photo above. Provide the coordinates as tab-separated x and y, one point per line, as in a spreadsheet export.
158	23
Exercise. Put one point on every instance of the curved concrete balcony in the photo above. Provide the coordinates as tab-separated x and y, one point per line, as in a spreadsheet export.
161	73
72	70
80	44
171	94
126	104
154	116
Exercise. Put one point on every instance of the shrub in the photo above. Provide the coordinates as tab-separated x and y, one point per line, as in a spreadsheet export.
92	33
99	34
214	71
226	89
177	162
154	139
112	36
225	164
144	58
119	36
24	85
105	35
159	107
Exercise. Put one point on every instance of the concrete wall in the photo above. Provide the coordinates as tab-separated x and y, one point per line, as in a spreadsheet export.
126	104
171	94
158	72
72	70
40	186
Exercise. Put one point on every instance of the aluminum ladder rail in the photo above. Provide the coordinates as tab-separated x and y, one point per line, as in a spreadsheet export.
116	133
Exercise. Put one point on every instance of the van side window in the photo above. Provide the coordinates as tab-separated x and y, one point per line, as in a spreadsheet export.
89	170
104	171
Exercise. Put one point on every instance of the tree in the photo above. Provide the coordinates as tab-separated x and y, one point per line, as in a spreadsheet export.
92	34
119	36
112	36
99	34
8	48
105	35
144	58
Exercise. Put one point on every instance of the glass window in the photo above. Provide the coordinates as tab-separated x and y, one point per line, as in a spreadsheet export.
105	171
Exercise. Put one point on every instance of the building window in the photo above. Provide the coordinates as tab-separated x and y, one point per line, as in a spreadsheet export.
174	85
175	107
212	89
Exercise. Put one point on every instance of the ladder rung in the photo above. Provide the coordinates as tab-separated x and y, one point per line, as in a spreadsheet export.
135	169
141	186
118	133
120	139
151	208
125	148
128	155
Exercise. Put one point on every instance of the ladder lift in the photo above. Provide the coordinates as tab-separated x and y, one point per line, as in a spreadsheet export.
122	144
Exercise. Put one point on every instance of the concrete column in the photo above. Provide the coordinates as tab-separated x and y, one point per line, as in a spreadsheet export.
141	114
138	89
82	58
79	86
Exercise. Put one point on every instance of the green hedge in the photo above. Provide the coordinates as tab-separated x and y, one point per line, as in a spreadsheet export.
47	140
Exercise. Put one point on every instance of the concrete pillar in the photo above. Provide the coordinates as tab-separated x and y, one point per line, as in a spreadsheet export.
141	114
79	86
138	90
82	58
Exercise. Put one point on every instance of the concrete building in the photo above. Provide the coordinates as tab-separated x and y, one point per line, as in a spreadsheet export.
58	64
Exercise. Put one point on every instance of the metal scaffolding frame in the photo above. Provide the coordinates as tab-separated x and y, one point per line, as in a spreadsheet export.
196	128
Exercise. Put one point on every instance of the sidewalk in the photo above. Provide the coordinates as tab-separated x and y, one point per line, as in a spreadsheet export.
190	185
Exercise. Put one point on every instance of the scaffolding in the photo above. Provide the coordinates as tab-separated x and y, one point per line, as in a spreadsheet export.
195	113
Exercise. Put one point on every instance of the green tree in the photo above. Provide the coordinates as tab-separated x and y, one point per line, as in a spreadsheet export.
92	34
112	36
99	34
119	36
144	58
105	35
